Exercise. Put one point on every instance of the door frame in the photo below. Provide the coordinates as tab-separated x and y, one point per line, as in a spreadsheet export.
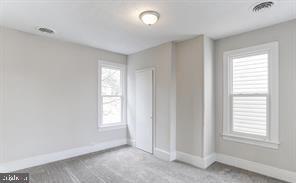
153	107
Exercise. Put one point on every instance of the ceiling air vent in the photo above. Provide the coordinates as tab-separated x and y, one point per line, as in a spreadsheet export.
45	30
262	5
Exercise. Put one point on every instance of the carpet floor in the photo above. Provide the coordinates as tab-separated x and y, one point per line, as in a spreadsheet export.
129	165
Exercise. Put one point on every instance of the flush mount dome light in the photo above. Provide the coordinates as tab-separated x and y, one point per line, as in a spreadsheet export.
149	17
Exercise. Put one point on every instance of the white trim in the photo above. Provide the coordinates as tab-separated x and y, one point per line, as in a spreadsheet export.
112	127
57	156
154	108
272	138
173	155
196	161
257	168
172	105
161	154
123	77
110	64
252	141
131	142
252	166
153	69
209	160
274	91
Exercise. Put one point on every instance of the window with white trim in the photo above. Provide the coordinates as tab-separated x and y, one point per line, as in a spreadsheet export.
111	108
251	95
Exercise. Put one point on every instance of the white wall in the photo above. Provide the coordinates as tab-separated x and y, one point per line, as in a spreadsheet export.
184	95
209	98
285	156
189	71
48	95
160	58
1	98
195	96
173	105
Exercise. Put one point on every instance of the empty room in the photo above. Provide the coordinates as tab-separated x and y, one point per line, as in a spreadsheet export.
147	91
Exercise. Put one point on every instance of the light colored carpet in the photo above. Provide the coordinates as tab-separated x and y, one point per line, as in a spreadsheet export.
126	165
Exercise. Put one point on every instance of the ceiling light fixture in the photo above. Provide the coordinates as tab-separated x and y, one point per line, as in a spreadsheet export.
45	30
149	17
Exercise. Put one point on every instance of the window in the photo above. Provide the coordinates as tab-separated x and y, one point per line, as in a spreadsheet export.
111	95
251	95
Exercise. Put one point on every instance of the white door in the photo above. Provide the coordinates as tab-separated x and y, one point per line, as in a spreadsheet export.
144	110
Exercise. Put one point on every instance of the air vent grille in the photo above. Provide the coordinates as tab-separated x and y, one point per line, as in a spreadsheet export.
263	5
46	30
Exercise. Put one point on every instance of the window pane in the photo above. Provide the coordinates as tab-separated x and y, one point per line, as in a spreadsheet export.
249	115
111	110
250	81
110	81
250	74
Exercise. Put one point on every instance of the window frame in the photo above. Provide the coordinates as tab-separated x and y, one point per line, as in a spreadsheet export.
271	140
122	68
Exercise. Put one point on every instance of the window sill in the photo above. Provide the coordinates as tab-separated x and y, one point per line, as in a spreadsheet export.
112	127
252	141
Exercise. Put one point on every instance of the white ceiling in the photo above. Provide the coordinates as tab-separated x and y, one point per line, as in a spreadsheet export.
114	24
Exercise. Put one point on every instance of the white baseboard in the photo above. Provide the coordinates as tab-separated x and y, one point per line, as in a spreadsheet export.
131	142
209	160
196	160
162	154
267	170
203	163
52	157
173	156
